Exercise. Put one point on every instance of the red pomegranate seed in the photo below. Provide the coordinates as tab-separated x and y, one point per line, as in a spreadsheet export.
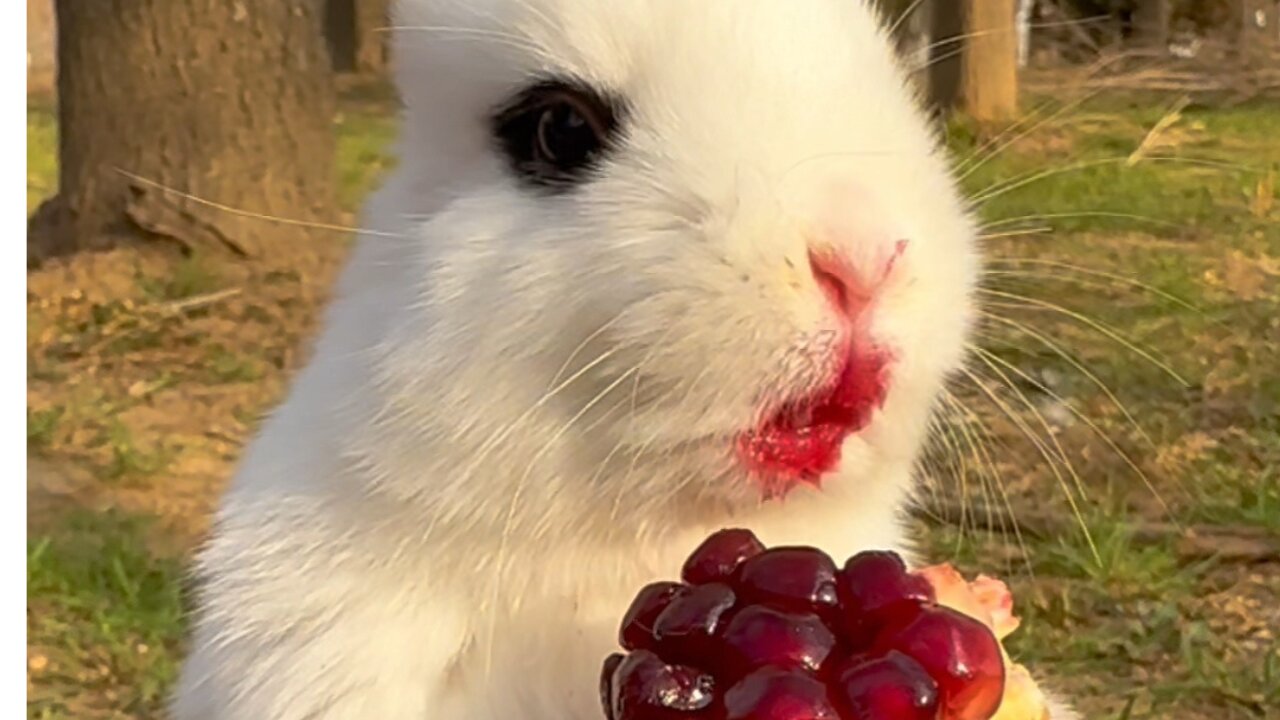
893	687
610	668
719	556
870	586
960	653
685	630
646	688
637	625
791	578
759	636
777	694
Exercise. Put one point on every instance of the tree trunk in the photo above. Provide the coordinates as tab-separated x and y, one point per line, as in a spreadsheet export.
340	33
1258	42
1151	24
991	61
946	59
372	20
162	102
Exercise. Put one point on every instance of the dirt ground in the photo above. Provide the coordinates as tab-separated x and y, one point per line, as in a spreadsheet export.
132	366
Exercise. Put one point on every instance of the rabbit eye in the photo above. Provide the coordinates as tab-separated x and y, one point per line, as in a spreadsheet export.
565	138
555	133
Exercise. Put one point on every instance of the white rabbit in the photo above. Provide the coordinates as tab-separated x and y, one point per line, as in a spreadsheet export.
645	269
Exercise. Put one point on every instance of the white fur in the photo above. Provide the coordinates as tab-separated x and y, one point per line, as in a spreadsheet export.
425	529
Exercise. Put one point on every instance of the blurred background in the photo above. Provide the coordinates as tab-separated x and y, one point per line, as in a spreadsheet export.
1113	448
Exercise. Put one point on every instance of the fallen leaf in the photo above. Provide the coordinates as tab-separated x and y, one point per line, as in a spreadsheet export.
1247	278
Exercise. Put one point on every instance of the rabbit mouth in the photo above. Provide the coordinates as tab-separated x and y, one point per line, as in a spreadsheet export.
801	440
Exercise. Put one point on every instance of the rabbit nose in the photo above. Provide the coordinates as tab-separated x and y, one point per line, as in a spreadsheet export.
836	281
848	289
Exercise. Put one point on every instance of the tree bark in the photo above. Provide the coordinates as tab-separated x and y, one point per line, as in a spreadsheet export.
1151	20
372	20
340	33
162	102
991	61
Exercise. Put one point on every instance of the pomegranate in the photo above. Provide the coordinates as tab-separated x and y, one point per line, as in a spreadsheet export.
784	634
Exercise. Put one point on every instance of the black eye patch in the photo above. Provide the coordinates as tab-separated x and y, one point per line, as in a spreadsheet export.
555	132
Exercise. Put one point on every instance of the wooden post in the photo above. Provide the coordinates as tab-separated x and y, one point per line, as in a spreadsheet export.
991	61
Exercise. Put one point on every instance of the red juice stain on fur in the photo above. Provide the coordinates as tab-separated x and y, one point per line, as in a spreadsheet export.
801	441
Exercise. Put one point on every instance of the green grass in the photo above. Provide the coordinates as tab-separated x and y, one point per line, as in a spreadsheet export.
1193	188
363	144
104	610
1185	306
1187	252
193	275
42	155
129	460
1229	497
41	425
227	366
1128	622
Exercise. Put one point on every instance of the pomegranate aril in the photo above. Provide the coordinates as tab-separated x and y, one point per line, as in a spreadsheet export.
790	578
719	556
646	688
685	629
637	625
960	653
610	668
893	687
875	589
778	694
759	636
